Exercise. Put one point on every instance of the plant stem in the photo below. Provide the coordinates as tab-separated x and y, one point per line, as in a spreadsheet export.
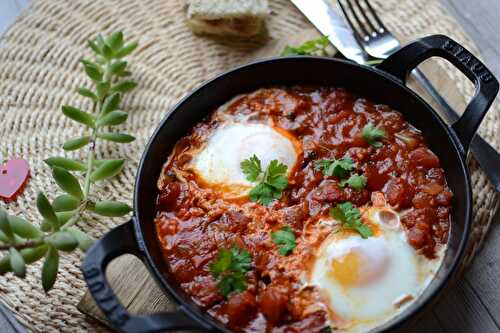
90	165
24	245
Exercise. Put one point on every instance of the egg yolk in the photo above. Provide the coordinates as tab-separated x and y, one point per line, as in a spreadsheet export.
346	270
356	269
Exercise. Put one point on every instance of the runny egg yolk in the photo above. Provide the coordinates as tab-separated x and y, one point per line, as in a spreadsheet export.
346	270
355	269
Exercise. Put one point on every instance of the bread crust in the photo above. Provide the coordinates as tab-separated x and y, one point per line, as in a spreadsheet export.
227	17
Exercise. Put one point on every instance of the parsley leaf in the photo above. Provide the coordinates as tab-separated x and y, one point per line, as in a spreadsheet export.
251	168
273	182
373	135
286	238
357	182
230	267
312	47
339	168
350	217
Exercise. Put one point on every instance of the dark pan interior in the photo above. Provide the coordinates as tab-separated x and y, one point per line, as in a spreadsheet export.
362	81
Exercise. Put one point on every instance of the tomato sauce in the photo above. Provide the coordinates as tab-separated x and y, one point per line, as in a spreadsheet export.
193	221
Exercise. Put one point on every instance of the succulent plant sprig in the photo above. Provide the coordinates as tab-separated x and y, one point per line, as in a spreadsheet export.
22	242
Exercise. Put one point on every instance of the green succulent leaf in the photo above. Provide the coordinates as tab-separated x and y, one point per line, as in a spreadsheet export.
5	225
115	40
92	70
111	208
100	59
65	163
46	226
98	163
93	45
34	254
64	217
76	143
78	115
117	137
100	41
5	264
87	93
46	210
67	182
50	268
63	241
102	89
111	103
124	86
113	118
23	228
84	241
107	52
17	263
126	50
3	237
124	74
65	203
117	67
107	170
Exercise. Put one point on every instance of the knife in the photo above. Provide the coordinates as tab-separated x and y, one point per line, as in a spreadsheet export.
333	25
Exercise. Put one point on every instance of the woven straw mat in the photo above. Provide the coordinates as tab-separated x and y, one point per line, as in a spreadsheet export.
39	72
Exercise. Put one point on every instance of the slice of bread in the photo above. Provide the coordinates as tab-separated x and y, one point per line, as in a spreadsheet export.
227	17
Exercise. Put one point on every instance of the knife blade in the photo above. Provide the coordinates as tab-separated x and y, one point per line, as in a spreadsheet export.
331	24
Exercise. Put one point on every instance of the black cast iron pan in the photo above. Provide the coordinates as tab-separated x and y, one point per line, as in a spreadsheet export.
384	84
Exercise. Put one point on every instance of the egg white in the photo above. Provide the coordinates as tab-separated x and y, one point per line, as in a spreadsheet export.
218	162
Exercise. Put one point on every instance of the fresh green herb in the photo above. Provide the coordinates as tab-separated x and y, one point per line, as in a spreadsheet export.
229	268
251	168
272	182
286	238
373	135
23	242
312	47
339	168
357	182
350	217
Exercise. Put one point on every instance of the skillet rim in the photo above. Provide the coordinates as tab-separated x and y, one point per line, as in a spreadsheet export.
396	322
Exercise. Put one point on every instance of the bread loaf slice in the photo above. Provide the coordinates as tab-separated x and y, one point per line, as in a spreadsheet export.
227	17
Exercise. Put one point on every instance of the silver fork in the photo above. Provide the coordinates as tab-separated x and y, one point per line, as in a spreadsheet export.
380	43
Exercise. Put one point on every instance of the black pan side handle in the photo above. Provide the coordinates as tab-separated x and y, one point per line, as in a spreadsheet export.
117	242
401	63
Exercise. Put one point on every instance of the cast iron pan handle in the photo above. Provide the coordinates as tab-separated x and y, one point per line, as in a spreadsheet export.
401	63
118	241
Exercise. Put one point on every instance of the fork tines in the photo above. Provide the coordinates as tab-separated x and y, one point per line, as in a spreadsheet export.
362	18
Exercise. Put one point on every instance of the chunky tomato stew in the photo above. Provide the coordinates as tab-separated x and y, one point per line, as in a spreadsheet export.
243	259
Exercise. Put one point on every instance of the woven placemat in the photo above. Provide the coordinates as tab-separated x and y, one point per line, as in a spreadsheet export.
39	72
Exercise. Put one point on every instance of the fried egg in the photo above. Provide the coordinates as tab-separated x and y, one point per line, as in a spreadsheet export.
365	282
217	164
